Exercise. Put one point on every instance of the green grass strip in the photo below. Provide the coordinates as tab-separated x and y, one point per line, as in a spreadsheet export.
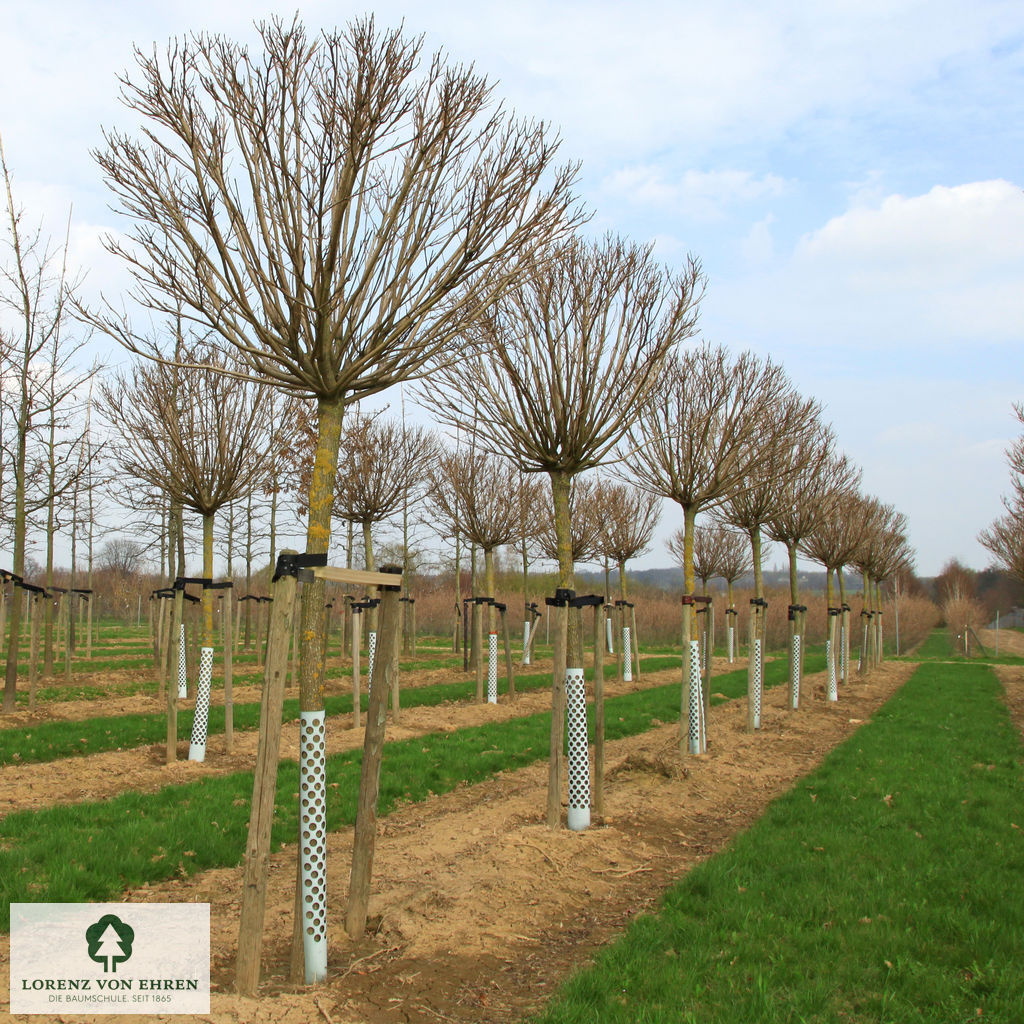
49	741
885	887
93	851
938	646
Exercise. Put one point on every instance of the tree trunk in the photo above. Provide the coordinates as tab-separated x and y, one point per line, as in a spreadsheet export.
311	663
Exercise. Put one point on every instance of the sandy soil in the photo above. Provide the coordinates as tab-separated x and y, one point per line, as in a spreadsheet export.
478	910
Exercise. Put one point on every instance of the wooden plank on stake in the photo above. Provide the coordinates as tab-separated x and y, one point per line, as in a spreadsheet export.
261	814
358	577
364	840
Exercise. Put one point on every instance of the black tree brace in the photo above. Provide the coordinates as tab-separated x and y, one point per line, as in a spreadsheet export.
292	564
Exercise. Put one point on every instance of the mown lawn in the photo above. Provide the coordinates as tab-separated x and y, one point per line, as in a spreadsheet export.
886	887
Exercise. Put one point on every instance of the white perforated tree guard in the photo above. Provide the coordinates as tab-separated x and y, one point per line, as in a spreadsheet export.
197	747
844	650
526	641
830	661
492	668
794	673
182	667
313	851
609	634
696	733
627	654
730	642
758	681
579	750
371	653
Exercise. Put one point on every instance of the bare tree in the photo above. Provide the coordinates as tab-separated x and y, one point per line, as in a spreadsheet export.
817	479
884	552
36	288
483	498
833	541
565	358
584	524
693	440
628	517
693	444
337	213
783	431
203	437
1004	537
121	556
380	463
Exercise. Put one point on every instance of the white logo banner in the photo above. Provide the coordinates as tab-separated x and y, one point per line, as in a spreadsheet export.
78	958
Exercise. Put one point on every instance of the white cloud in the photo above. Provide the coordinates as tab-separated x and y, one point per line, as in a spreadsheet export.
703	195
943	268
758	247
940	238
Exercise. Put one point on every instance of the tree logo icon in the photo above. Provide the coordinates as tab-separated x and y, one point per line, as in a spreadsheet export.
110	942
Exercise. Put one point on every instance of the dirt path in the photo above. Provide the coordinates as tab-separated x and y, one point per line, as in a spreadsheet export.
478	910
1012	678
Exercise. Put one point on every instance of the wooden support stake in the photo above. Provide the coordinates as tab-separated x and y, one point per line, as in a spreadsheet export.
172	687
365	837
599	640
33	651
261	814
295	650
229	673
636	645
510	673
356	695
478	647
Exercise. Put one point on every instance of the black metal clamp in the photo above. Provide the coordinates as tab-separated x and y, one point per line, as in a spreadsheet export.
297	564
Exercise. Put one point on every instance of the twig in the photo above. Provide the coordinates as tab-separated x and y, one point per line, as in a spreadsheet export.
553	863
355	963
620	874
320	1007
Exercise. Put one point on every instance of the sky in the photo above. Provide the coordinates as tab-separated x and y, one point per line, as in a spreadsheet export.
849	174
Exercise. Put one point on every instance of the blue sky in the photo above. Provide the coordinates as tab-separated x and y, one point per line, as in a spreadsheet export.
849	173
